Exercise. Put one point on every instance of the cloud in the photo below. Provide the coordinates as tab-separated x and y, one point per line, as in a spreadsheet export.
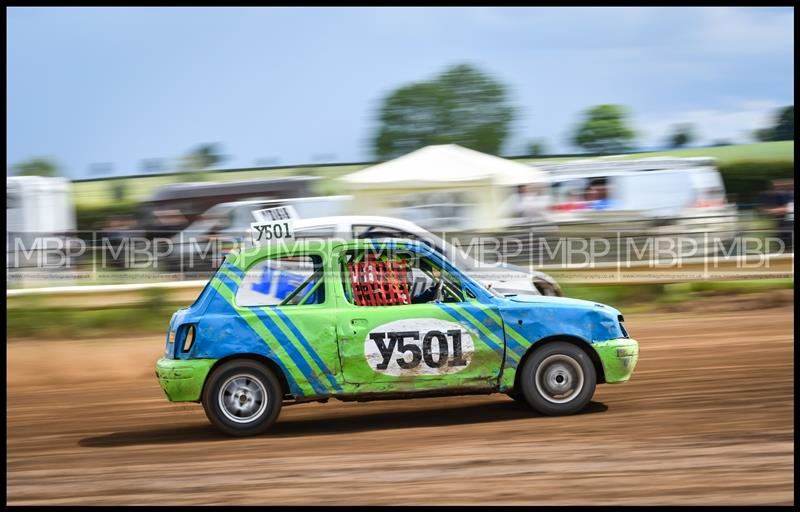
747	31
707	30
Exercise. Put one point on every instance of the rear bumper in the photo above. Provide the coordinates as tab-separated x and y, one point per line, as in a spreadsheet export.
619	358
182	379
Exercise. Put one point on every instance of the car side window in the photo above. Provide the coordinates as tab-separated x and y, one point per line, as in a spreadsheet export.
283	281
384	277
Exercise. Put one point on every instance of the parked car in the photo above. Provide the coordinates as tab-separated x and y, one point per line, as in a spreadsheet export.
173	207
202	245
501	277
227	225
354	330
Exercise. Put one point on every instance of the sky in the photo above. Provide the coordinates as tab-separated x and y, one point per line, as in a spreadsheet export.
114	86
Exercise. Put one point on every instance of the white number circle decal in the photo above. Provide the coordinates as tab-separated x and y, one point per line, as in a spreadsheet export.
418	346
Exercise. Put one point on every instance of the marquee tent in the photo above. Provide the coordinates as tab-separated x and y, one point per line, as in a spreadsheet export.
442	187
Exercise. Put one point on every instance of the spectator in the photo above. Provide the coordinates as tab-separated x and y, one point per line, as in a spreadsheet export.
598	197
528	204
778	203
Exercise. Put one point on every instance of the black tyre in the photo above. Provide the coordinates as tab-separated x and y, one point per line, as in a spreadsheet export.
548	289
558	379
517	396
242	398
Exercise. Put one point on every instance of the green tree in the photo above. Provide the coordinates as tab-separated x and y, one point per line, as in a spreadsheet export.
195	164
537	147
682	135
461	106
604	130
782	129
763	134
784	126
37	167
119	189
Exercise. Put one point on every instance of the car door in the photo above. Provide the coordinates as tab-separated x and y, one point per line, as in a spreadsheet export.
392	344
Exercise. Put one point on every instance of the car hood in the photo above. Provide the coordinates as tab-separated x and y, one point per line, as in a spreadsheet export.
538	316
503	272
499	274
504	268
565	302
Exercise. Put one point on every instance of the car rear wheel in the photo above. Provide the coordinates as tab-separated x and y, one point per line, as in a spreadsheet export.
558	379
242	398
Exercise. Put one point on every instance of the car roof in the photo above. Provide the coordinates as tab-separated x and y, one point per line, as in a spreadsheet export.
357	219
246	255
234	204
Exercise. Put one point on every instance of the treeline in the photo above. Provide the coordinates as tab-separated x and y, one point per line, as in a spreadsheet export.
467	106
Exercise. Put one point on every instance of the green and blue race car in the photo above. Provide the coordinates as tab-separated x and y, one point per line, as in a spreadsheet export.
313	320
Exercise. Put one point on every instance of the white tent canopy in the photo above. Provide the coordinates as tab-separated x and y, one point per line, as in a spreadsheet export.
446	163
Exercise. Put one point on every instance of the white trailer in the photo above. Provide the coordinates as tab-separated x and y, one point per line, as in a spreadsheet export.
40	215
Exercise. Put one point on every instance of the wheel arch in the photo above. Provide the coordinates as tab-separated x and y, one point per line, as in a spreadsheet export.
259	358
574	340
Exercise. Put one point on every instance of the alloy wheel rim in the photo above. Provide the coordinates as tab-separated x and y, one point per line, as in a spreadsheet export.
242	398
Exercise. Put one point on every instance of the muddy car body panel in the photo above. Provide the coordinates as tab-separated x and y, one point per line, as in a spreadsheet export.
335	348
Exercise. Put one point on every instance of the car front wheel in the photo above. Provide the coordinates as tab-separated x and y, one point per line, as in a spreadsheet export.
242	398
558	379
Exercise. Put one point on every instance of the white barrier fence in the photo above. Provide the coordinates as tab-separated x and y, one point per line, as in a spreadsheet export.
696	269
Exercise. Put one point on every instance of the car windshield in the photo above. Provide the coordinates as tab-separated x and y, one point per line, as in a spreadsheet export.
450	251
457	255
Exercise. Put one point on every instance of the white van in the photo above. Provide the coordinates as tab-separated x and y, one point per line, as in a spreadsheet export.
652	188
649	195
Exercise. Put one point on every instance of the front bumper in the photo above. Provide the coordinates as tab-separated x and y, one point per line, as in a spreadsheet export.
619	358
182	379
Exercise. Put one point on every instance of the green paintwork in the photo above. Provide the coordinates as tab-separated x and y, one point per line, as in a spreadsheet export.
182	380
340	345
321	348
619	358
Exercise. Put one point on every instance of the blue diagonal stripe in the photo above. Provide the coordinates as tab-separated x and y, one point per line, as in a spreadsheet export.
227	281
284	341
308	347
455	314
490	323
293	385
229	267
295	354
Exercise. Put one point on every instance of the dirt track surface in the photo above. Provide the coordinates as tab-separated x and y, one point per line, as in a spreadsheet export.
706	419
